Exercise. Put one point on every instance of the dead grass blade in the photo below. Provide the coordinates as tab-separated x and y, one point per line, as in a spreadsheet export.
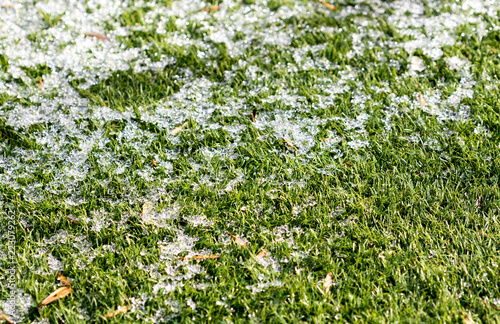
40	84
490	304
57	294
201	257
467	319
238	240
146	208
119	310
5	318
71	219
64	280
421	100
98	36
211	9
328	5
479	201
290	144
252	116
328	282
178	129
262	254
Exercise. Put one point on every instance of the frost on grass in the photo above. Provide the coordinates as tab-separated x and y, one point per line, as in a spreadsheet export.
264	285
63	149
159	219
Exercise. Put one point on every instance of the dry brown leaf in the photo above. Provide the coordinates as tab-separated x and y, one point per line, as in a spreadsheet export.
178	129
421	100
98	36
64	280
201	257
238	240
290	144
57	294
328	282
146	208
154	163
262	254
5	318
211	8
119	310
329	5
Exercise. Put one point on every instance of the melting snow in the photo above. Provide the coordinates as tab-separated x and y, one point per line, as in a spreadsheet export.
71	136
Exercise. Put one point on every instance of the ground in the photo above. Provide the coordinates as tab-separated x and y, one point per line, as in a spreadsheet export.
250	161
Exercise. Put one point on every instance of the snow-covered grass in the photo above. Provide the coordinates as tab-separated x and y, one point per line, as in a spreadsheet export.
362	141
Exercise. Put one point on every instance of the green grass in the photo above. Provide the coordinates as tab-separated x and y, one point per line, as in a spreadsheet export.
407	224
124	89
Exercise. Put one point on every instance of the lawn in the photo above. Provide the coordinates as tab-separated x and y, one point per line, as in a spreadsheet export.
249	161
